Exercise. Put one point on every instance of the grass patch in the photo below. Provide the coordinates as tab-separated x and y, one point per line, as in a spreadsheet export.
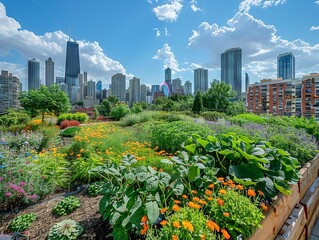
70	131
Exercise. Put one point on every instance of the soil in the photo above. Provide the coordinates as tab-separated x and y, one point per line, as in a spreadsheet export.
87	215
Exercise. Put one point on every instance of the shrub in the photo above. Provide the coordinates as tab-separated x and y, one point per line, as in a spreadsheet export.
137	108
65	230
66	206
119	111
213	116
248	118
80	169
170	136
14	117
22	222
95	189
69	123
81	117
70	131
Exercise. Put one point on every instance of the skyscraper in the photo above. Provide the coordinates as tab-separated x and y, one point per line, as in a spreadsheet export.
168	78
231	69
118	87
9	91
134	90
187	88
200	80
85	75
286	66
143	92
246	82
176	85
49	72
33	74
91	89
72	69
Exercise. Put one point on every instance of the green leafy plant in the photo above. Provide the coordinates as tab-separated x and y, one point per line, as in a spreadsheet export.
119	111
249	162
70	131
95	189
22	222
65	230
81	117
66	206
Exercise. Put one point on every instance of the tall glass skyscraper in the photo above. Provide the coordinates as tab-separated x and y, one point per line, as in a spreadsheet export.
49	72
286	66
231	69
168	78
72	69
118	88
200	80
33	74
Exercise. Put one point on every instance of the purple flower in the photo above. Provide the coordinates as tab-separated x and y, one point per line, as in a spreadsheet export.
14	187
22	184
8	194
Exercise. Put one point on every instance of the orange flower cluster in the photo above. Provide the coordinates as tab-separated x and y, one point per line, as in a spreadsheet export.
222	191
220	202
176	208
194	205
225	234
176	225
163	223
251	193
163	210
209	192
174	237
226	214
145	225
188	225
263	207
212	226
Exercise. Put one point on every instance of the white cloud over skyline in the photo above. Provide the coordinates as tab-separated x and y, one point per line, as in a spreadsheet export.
166	55
259	42
246	5
168	12
52	44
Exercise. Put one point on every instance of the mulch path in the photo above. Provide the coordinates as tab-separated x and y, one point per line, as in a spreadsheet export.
87	215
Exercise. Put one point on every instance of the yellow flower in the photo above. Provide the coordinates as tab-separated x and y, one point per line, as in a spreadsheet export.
188	225
203	202
202	237
176	225
194	205
209	198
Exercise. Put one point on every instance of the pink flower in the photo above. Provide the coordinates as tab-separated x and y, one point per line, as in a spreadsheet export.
20	171
1	178
14	187
22	184
8	194
34	196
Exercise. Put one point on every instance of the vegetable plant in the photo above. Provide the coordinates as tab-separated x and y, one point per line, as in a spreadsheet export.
66	206
22	222
65	230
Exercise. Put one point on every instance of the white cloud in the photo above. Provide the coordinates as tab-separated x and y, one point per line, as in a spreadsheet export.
314	28
317	2
169	11
53	44
245	5
166	32
167	56
194	6
158	32
260	44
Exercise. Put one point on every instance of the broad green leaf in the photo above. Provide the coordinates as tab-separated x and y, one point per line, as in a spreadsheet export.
151	184
113	172
185	156
152	171
267	186
115	217
248	170
119	233
202	142
245	181
164	178
279	175
200	165
225	152
258	151
282	152
104	202
130	203
152	211
136	216
166	161
141	176
193	172
125	219
283	187
178	188
191	148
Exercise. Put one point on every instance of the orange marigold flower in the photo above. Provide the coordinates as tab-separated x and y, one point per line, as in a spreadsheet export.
161	170
263	207
144	230
212	226
208	192
184	196
78	155
202	237
226	214
176	208
174	237
194	192
163	210
188	225
220	202
163	223
261	193
176	225
196	199
211	185
222	191
194	205
251	193
202	202
230	181
209	198
155	168
144	219
81	150
177	201
225	234
240	187
225	183
220	179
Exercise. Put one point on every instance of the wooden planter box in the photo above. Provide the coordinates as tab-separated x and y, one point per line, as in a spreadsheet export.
293	216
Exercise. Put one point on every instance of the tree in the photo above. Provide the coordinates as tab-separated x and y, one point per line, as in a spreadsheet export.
137	108
198	103
113	100
45	100
235	108
119	111
217	97
105	108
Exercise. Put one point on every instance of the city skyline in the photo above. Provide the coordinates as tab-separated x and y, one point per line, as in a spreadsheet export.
180	34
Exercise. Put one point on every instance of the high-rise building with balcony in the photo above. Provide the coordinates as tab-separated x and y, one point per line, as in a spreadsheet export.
286	66
188	88
177	85
134	90
49	72
118	86
33	74
200	80
143	92
72	69
9	91
231	69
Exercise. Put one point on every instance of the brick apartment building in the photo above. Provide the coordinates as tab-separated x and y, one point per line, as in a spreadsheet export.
288	97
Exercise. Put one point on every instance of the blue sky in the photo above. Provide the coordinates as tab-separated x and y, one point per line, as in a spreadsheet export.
142	37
